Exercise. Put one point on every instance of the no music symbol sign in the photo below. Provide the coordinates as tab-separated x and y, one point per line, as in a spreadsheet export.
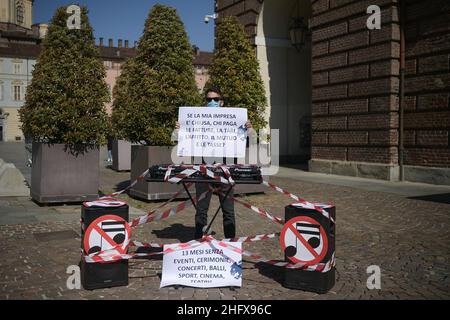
107	232
304	240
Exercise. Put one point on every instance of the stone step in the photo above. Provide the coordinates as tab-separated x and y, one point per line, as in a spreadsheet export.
12	181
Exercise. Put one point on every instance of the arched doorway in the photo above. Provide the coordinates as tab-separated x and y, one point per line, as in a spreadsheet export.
286	73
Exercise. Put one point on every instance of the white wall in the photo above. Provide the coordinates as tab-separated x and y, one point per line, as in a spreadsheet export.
11	125
286	73
8	12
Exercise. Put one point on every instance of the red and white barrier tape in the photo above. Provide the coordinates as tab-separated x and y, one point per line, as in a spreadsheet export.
253	238
227	173
108	256
203	169
105	203
259	237
98	256
261	212
321	267
166	214
212	243
180	176
170	200
139	178
302	201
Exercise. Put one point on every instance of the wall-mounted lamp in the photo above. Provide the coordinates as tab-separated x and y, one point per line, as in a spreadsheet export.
298	30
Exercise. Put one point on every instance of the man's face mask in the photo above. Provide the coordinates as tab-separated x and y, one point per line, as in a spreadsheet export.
213	102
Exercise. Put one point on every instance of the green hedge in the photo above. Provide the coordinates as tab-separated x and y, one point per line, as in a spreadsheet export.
235	70
66	98
155	83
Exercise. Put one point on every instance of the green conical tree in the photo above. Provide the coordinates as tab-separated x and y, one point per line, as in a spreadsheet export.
155	83
66	97
235	70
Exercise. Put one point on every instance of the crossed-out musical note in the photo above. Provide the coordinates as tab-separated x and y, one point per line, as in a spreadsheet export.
310	232
115	230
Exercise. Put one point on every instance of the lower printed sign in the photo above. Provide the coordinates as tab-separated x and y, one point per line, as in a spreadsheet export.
204	266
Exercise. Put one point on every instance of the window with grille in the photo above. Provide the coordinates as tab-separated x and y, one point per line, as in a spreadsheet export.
20	14
16	68
16	93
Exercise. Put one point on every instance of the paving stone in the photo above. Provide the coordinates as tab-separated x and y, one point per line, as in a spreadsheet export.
390	230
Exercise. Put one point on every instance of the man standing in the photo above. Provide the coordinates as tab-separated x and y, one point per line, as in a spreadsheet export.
214	99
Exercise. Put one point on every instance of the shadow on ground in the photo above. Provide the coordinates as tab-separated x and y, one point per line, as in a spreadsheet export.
298	166
57	204
156	251
271	272
440	198
176	231
122	185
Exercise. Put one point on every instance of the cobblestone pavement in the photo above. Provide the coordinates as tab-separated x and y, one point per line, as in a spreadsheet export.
408	239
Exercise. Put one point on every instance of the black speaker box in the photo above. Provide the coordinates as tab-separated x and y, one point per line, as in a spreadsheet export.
314	281
102	275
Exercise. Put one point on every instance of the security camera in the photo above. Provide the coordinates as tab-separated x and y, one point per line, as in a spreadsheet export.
210	16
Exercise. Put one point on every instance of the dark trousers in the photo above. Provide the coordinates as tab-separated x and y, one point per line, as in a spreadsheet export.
201	216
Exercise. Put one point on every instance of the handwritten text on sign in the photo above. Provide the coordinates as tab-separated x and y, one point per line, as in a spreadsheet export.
205	266
212	132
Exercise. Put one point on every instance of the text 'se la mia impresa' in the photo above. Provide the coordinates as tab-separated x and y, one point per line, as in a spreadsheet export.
203	119
210	116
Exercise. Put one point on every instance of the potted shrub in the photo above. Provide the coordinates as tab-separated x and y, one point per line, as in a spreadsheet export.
64	113
148	93
235	69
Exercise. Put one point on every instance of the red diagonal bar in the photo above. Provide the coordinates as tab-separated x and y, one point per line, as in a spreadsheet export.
108	238
302	240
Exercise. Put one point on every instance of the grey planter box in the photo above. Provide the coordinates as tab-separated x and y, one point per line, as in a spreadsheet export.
143	157
121	154
59	176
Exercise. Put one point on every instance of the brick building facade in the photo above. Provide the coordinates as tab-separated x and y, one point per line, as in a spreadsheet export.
427	85
356	100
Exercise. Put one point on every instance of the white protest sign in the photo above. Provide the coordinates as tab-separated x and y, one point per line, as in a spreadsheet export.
205	266
212	132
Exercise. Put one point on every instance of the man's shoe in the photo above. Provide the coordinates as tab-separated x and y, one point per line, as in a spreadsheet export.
229	231
198	231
